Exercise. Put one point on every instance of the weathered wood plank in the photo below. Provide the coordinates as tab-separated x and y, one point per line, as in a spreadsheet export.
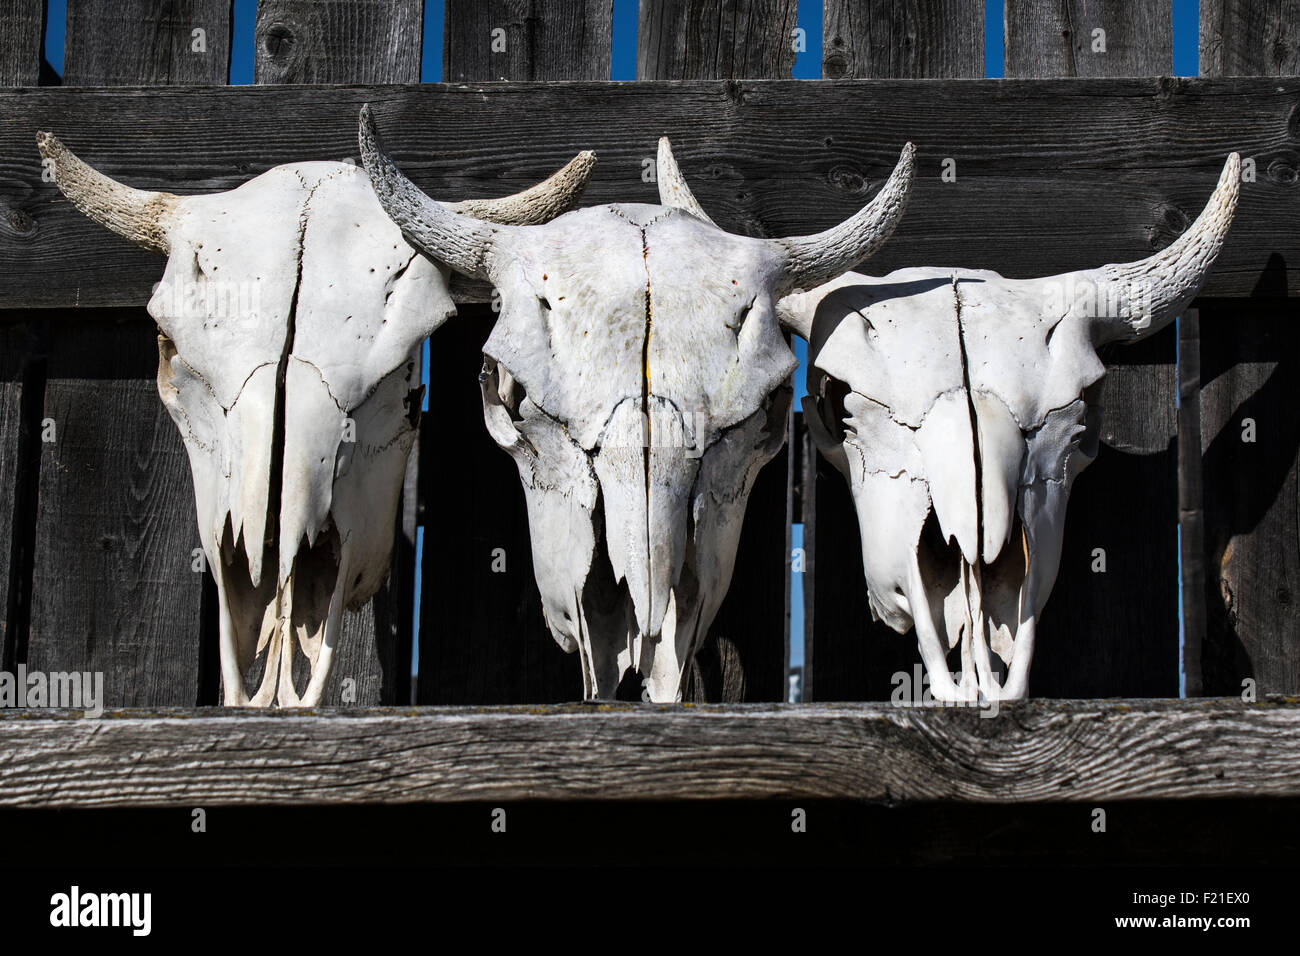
113	588
17	351
715	39
1055	175
1249	354
338	41
354	41
902	39
1250	37
1049	38
527	40
22	25
147	42
1033	752
1114	632
1191	502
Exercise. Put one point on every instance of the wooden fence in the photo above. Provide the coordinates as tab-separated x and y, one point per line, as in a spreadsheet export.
1082	158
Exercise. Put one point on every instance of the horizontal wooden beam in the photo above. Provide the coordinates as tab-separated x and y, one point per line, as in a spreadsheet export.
1051	175
1036	751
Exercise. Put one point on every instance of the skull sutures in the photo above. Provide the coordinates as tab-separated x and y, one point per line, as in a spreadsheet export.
960	405
639	378
289	313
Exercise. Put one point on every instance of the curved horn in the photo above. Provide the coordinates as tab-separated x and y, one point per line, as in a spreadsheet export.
812	260
139	215
554	195
460	242
1136	299
673	191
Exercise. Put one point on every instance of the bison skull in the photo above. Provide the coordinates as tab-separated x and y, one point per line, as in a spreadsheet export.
289	313
639	378
960	406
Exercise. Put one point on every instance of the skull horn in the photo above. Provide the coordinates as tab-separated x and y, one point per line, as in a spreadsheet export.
673	191
458	235
1136	299
136	214
812	260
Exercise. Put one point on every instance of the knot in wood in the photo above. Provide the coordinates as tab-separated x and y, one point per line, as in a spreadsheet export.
1283	171
834	66
21	222
847	180
278	40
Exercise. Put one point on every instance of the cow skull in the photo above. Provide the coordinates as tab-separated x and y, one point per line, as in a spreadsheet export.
960	406
639	379
289	314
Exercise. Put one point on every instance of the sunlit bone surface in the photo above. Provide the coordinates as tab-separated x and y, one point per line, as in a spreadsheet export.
960	406
639	379
289	314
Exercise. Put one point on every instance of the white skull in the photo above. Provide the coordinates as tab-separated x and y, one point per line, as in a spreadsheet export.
289	315
639	378
960	406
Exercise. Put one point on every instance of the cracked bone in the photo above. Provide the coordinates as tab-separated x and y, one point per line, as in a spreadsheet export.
290	313
639	379
960	406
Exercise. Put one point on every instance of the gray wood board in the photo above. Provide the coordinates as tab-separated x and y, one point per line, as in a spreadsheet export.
715	40
903	39
1052	175
339	41
1032	752
525	40
150	42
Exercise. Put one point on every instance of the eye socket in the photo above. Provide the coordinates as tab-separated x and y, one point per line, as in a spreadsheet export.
544	302
742	317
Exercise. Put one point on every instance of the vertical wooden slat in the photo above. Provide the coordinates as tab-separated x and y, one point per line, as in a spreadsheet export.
527	40
1051	38
113	588
745	654
356	41
483	639
338	41
902	39
1113	633
1191	509
147	43
21	28
20	59
715	39
847	655
1250	359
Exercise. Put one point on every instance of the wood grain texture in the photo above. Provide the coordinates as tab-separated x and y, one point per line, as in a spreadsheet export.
113	589
1250	37
716	39
1191	503
338	41
147	42
903	39
1033	752
1249	356
1053	175
17	350
1113	632
537	40
21	38
1049	38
